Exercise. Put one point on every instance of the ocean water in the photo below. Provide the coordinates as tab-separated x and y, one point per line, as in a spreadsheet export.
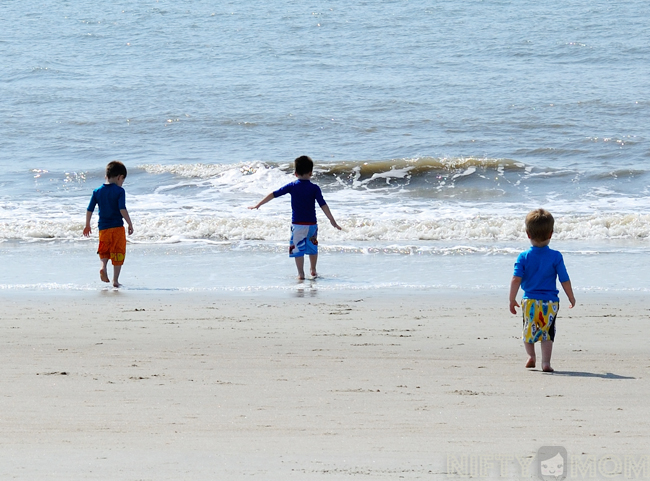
435	128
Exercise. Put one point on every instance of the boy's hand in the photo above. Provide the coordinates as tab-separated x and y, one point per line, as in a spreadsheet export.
127	218
513	304
334	224
266	199
87	231
515	283
568	290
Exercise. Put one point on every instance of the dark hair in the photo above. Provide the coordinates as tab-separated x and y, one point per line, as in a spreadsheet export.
539	225
115	168
304	165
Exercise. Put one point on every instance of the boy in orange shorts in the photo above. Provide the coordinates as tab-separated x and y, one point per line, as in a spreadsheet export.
112	209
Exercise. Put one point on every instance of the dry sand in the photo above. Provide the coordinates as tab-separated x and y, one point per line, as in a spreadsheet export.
157	386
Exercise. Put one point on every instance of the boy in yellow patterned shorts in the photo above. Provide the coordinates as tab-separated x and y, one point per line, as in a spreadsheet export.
112	209
536	271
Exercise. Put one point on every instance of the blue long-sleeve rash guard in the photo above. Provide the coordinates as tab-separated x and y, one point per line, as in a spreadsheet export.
304	195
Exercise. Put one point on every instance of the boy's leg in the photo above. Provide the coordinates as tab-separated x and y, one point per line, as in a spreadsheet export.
300	265
118	251
530	350
103	249
313	258
103	273
116	275
547	350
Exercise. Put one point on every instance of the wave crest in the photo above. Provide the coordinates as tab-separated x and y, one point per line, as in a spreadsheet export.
209	228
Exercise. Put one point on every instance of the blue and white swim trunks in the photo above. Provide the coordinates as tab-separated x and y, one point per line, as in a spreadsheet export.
303	240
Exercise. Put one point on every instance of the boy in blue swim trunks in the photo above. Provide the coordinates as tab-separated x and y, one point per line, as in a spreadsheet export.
536	271
304	228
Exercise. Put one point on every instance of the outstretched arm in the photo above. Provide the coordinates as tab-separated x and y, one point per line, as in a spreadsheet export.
515	283
329	215
87	229
127	218
266	199
568	290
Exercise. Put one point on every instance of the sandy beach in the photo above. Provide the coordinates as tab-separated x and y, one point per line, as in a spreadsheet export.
156	386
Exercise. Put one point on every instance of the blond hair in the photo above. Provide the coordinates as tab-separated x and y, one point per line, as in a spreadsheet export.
539	225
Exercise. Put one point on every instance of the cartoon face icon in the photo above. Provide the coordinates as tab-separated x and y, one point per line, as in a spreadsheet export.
553	466
551	463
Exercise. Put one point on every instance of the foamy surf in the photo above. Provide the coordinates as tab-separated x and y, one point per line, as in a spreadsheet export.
402	200
246	227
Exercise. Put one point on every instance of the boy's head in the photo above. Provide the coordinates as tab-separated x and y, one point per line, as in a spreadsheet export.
115	169
304	165
539	225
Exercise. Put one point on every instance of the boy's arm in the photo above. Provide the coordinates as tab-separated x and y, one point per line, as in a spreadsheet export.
266	199
127	218
329	215
568	290
87	229
515	283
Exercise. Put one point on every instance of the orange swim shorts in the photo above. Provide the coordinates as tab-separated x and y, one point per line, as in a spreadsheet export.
112	245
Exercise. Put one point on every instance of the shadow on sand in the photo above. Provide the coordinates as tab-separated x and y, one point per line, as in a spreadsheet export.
609	375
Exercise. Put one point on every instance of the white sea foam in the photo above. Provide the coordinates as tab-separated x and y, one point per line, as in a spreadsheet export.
208	203
47	286
247	226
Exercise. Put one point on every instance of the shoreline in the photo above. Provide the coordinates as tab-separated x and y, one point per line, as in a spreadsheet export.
308	289
172	268
166	386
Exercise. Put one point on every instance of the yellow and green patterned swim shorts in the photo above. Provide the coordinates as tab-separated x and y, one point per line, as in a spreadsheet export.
539	320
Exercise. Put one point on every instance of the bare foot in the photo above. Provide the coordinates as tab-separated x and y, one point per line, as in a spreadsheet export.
116	285
548	368
531	362
314	274
103	276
